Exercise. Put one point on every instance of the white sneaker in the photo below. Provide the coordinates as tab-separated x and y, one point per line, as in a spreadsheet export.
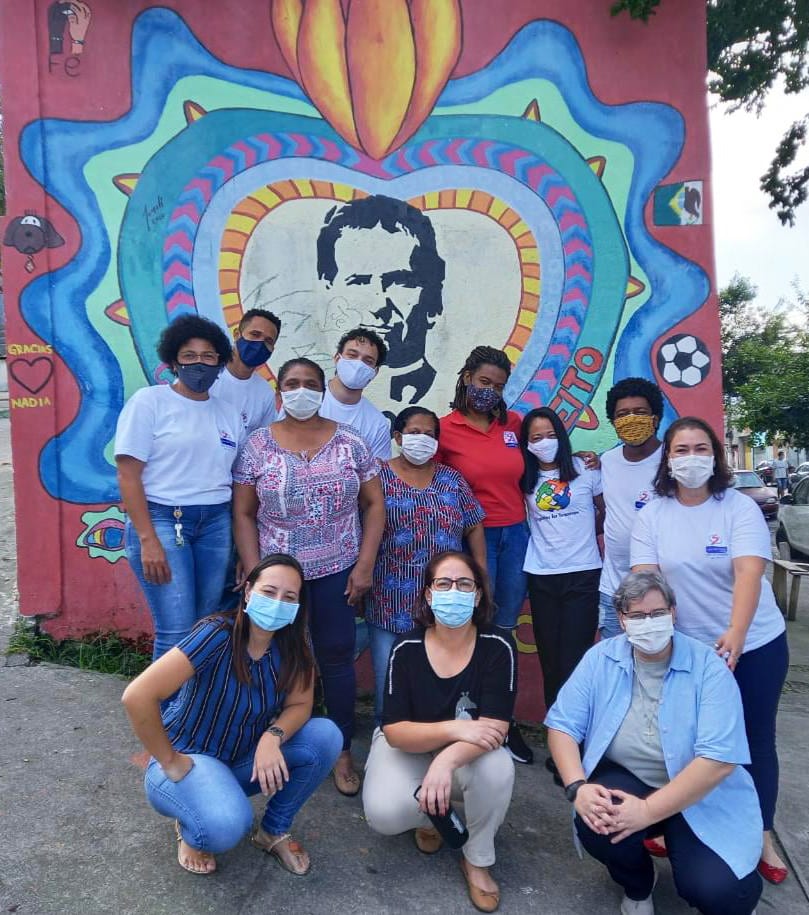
637	906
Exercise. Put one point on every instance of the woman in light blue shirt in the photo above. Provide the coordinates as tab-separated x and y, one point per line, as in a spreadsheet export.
661	721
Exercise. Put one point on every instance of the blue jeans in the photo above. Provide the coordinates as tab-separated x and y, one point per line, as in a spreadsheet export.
505	555
608	625
197	568
211	801
381	642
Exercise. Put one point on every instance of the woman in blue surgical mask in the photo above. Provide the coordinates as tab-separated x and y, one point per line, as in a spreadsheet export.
174	450
449	697
309	486
239	723
662	725
712	543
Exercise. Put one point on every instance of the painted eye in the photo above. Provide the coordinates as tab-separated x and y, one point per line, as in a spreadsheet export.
31	221
105	535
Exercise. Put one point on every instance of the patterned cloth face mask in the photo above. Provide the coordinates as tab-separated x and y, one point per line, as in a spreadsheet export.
634	428
482	400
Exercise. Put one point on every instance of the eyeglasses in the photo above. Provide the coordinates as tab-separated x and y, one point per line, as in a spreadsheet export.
462	584
194	358
638	615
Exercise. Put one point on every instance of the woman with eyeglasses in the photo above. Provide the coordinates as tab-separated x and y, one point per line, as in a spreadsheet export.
310	487
428	507
449	697
712	543
174	450
661	721
565	514
480	439
240	723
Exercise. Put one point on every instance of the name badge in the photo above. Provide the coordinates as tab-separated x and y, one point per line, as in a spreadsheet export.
510	439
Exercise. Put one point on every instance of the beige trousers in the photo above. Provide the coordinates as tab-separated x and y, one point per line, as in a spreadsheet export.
481	792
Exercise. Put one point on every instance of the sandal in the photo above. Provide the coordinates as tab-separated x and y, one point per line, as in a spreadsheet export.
347	783
183	865
296	863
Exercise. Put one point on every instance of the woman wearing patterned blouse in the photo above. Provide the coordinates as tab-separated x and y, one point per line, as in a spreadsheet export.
309	487
429	508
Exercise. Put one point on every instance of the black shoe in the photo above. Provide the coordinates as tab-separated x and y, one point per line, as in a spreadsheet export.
550	765
516	745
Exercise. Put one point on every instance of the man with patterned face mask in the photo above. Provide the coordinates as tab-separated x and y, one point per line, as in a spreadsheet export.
635	408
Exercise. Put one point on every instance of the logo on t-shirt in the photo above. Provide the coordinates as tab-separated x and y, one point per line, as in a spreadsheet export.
225	439
510	439
464	707
553	495
644	497
715	545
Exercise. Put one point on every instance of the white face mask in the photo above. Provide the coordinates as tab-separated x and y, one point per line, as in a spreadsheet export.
354	373
302	403
650	635
418	448
545	449
692	470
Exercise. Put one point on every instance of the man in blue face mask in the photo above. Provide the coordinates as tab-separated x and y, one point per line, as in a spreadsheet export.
240	384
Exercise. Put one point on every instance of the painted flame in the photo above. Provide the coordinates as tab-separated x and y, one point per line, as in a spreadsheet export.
375	72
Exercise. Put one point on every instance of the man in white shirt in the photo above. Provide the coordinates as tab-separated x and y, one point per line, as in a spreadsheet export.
359	355
239	384
780	471
635	408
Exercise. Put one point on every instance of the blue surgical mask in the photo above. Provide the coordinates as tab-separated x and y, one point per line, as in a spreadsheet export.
253	353
453	608
269	613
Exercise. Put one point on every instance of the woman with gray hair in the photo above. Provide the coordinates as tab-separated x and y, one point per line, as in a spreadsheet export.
661	721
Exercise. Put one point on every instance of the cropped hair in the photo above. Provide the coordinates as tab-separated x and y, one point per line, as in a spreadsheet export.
564	456
404	415
297	660
482	355
369	336
259	313
635	387
301	360
188	327
722	477
636	585
484	612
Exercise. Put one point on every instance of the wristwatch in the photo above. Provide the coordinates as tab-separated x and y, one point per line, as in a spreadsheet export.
572	789
276	732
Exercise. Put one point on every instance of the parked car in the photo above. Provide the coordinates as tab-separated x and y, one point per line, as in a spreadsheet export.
764	470
792	536
751	484
799	474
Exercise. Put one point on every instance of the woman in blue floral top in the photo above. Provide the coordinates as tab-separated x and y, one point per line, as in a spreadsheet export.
429	509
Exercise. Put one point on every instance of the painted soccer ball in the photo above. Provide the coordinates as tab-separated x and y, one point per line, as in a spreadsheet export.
683	361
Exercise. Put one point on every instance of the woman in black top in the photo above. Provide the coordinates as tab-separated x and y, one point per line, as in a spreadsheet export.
449	696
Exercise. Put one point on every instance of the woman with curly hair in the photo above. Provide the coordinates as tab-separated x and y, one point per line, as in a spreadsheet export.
174	449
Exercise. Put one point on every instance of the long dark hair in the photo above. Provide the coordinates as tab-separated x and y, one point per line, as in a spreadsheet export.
297	661
483	613
722	477
482	355
564	456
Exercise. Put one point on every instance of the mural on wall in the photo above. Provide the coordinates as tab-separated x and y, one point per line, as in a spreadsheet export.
514	205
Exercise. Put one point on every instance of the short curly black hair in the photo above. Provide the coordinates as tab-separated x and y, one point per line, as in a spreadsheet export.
185	328
635	387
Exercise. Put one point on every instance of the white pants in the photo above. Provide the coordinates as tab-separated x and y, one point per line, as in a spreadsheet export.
483	787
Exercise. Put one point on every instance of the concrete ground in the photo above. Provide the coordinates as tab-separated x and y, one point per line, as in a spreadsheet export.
77	838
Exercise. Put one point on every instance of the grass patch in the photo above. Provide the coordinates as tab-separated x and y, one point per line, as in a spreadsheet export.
104	652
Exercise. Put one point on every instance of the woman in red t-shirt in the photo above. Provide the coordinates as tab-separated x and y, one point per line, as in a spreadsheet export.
480	439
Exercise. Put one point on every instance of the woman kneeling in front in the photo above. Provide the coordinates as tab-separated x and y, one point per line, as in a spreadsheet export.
661	720
449	697
240	724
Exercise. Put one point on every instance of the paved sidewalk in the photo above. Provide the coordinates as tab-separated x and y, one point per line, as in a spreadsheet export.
77	838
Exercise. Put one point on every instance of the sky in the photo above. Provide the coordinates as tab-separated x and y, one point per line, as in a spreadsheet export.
749	237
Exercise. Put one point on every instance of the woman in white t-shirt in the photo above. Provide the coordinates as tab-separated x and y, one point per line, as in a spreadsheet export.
174	449
712	544
565	512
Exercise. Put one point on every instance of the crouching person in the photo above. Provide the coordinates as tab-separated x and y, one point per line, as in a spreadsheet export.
449	697
240	723
660	717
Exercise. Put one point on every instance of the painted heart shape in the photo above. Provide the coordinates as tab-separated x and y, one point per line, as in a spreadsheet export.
32	374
